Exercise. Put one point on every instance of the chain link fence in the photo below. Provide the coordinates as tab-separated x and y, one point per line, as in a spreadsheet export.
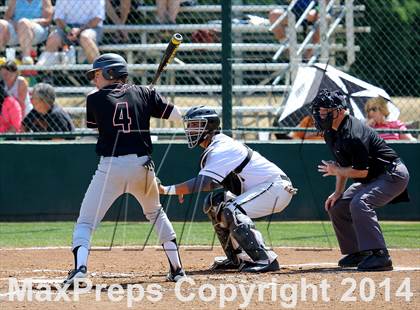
374	40
389	57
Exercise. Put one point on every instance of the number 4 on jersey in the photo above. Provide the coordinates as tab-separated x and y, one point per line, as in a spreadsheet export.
122	117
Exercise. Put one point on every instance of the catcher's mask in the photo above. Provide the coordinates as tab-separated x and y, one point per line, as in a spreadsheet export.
199	123
113	67
323	107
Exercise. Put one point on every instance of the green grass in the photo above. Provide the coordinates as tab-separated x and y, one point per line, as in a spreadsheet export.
314	234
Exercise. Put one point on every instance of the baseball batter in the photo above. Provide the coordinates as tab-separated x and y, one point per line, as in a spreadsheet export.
254	187
121	112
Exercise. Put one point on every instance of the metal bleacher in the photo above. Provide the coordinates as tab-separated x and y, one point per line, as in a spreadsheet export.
260	67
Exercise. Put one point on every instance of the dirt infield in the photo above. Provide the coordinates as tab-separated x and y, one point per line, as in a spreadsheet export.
306	275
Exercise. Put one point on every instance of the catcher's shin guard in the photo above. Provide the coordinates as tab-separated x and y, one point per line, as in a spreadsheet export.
213	204
249	243
240	227
224	237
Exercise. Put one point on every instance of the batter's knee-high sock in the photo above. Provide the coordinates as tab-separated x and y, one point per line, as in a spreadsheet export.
171	250
80	256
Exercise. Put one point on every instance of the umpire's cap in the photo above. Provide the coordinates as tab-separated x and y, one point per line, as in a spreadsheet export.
113	66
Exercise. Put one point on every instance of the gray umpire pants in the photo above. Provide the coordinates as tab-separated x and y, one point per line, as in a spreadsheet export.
353	216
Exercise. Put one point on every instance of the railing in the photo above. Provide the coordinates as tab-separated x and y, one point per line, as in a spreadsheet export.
195	78
328	24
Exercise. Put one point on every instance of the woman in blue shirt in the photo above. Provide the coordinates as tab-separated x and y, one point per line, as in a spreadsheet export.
25	23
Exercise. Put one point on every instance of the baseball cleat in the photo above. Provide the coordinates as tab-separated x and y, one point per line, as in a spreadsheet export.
352	260
223	263
378	261
73	274
256	268
176	276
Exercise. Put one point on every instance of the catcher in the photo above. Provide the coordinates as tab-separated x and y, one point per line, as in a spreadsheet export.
253	187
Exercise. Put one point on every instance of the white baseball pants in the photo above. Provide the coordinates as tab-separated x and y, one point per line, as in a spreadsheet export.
114	177
265	199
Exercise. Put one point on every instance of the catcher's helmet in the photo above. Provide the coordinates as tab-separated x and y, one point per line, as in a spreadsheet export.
329	100
113	66
199	122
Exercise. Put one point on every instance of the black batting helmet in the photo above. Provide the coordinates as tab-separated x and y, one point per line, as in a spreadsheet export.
199	122
113	66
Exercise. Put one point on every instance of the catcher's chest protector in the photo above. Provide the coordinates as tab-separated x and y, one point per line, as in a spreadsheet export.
233	182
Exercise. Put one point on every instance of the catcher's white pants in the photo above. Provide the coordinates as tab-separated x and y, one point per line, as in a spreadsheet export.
265	198
262	200
113	177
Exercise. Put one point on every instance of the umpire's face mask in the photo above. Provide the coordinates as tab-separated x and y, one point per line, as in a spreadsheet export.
195	130
323	118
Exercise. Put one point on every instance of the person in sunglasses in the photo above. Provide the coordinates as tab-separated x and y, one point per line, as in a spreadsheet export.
377	113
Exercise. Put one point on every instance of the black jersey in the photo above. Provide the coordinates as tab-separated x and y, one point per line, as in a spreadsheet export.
56	119
357	145
122	112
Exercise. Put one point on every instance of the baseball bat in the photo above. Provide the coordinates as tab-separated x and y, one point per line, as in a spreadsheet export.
167	56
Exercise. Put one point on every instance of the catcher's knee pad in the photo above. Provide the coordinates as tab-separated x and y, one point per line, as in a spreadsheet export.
213	204
231	216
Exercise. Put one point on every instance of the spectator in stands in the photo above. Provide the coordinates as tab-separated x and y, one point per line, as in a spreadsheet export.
298	9
167	11
78	22
306	122
118	14
16	86
377	112
25	23
10	112
46	116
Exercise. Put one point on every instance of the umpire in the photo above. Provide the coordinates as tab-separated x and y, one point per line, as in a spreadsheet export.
379	177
